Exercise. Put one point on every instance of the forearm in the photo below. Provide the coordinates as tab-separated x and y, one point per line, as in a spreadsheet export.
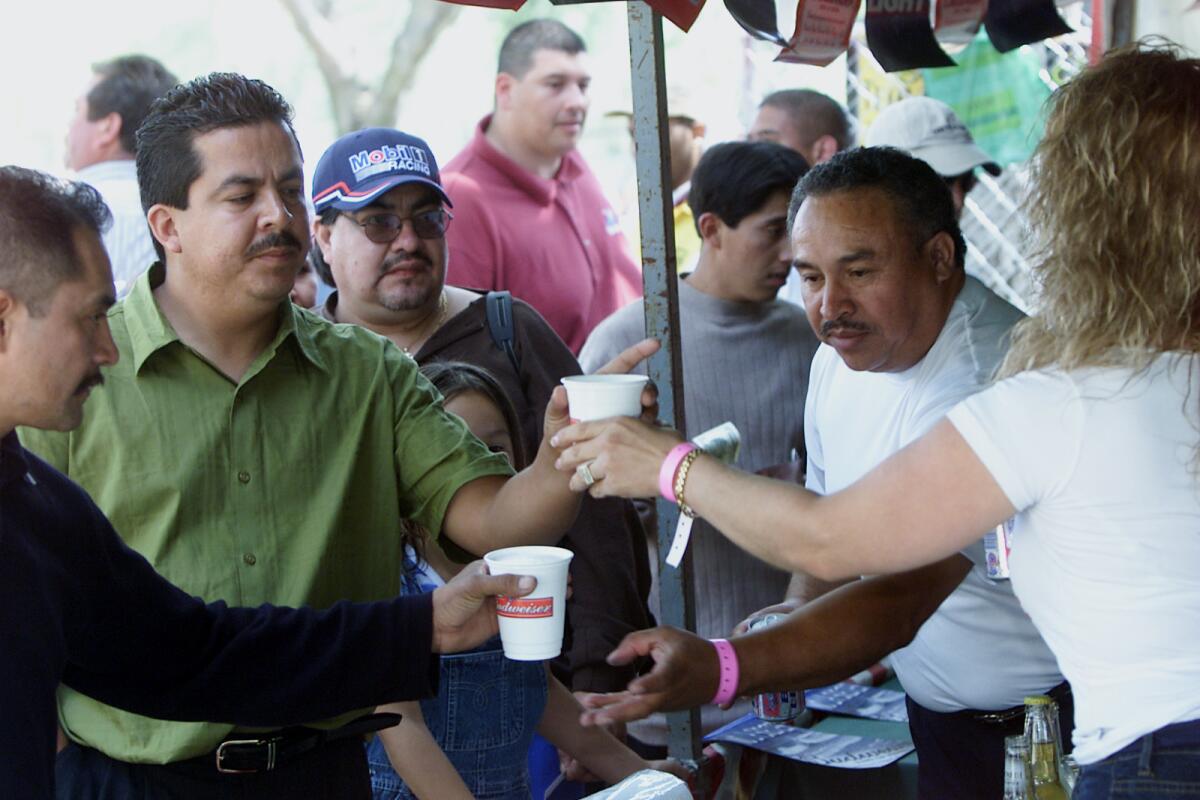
594	747
535	506
417	759
804	588
845	630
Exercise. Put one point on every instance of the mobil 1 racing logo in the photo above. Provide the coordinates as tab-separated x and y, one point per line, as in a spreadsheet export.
524	607
389	158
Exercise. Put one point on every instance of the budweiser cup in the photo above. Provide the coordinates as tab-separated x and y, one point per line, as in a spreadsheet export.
531	627
603	396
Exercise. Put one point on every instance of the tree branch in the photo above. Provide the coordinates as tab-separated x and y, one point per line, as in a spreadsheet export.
426	21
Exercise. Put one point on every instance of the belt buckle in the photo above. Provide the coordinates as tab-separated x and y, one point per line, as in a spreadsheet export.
995	717
270	744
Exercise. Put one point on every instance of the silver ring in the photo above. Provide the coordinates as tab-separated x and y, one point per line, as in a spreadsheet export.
584	471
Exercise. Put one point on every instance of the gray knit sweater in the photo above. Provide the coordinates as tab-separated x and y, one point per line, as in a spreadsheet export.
747	363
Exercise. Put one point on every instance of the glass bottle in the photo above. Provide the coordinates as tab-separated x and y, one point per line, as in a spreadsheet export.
1043	749
1017	785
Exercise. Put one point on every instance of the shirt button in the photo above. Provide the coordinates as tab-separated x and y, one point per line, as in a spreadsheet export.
244	476
249	559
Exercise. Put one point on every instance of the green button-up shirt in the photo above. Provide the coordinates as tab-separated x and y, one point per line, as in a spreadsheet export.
285	488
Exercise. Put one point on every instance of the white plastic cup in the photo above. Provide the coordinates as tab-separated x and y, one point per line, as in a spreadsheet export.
603	396
531	627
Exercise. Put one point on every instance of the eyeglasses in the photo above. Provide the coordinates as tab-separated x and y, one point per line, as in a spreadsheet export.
384	228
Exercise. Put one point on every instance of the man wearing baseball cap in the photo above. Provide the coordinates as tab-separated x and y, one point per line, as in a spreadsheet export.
929	129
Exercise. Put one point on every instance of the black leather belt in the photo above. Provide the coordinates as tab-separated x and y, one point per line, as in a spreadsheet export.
1007	715
274	749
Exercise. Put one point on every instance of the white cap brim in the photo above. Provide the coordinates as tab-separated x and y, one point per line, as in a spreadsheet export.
955	159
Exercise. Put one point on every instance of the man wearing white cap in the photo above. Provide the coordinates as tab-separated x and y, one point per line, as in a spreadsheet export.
931	131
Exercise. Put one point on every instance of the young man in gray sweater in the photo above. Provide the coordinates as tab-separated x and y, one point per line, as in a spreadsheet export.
746	357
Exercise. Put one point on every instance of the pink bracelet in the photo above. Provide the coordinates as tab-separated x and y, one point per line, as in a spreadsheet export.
670	465
727	683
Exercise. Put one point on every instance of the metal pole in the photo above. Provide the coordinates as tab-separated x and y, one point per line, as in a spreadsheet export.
661	289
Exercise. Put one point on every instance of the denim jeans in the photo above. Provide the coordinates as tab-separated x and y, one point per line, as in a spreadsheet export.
484	717
1160	765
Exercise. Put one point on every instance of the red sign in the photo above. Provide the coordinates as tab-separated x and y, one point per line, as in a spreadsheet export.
511	5
681	12
524	607
822	31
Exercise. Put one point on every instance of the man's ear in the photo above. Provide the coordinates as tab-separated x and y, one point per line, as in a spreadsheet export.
108	131
8	309
504	85
940	251
822	150
321	235
162	225
710	229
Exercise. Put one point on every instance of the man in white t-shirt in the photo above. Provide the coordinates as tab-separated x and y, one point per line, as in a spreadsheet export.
906	335
100	146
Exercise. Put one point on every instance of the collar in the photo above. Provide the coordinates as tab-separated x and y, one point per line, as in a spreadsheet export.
124	169
542	190
13	464
150	331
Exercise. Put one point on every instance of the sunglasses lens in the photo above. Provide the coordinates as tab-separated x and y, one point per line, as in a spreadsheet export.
430	226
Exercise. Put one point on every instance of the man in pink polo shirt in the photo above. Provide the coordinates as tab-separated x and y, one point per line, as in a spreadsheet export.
531	216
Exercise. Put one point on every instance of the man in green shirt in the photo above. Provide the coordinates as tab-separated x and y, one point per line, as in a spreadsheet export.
253	452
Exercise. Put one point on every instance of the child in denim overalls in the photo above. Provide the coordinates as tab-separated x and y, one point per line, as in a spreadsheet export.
472	740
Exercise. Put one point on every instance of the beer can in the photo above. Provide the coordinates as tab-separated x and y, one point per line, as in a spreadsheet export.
776	706
996	547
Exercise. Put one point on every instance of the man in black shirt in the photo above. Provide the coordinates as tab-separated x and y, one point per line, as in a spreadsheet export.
79	607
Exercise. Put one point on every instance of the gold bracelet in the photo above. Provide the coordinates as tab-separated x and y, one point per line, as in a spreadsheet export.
681	481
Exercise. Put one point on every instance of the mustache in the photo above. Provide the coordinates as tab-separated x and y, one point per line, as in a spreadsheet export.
278	239
829	327
393	261
95	379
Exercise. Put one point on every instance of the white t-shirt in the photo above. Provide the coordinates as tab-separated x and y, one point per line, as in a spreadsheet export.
979	649
1106	548
128	242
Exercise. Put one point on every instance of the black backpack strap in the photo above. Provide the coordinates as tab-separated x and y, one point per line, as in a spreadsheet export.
502	326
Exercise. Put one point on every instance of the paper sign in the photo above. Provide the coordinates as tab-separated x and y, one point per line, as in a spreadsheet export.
900	36
854	700
757	18
957	21
811	747
511	5
822	31
1012	23
681	12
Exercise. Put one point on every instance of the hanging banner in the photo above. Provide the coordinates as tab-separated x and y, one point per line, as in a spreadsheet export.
1012	23
900	36
823	30
957	21
681	12
511	5
998	96
757	18
879	89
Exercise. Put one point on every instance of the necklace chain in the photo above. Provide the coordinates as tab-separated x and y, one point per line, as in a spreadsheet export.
439	318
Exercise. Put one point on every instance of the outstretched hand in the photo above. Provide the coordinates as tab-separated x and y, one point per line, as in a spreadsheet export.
685	675
622	453
464	610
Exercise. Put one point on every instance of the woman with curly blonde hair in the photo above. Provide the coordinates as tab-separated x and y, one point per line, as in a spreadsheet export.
1088	445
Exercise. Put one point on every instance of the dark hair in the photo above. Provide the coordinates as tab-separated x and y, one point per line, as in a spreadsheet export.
735	179
814	115
918	193
167	164
516	53
128	86
38	213
453	378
